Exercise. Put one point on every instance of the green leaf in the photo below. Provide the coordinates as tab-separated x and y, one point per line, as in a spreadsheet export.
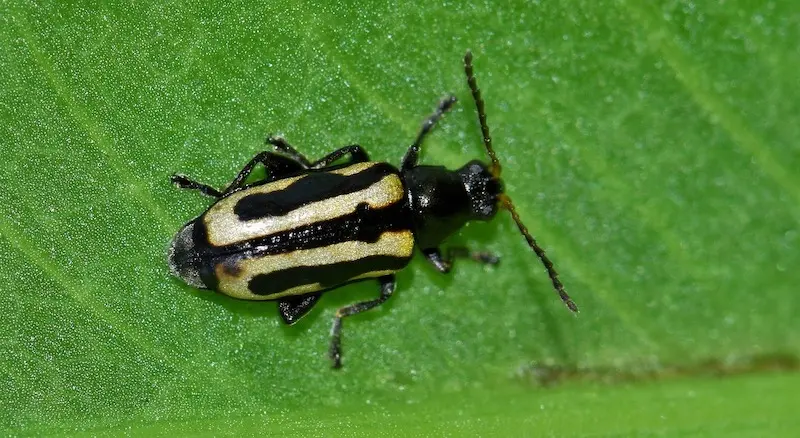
651	147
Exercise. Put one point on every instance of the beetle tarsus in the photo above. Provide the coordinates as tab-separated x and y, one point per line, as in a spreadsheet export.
387	289
183	182
484	257
336	342
444	263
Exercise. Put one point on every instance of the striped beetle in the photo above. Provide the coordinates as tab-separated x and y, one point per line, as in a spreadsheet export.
307	228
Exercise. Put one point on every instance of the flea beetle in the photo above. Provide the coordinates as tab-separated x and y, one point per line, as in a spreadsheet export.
309	227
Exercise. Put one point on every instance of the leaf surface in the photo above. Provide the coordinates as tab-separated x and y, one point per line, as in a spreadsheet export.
651	148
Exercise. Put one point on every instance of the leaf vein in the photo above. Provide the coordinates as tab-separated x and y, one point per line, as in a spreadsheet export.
699	87
99	139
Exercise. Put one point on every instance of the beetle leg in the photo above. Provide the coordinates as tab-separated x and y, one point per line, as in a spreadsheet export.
387	288
280	145
484	257
356	152
445	264
410	158
292	308
277	166
184	182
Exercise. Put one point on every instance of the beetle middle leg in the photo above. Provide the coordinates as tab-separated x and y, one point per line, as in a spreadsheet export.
445	263
281	145
387	289
356	152
277	167
183	182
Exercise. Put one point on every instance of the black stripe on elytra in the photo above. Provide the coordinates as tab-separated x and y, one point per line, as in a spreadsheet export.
365	224
203	259
313	187
328	276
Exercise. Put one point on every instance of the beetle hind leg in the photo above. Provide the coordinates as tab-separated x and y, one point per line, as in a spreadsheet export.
387	289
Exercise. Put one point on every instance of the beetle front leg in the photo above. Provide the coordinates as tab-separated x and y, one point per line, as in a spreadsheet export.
410	158
445	263
387	289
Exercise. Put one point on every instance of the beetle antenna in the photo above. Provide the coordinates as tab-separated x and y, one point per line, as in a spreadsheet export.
551	271
504	200
495	168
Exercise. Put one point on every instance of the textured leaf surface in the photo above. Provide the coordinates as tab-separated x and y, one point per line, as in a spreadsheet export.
650	146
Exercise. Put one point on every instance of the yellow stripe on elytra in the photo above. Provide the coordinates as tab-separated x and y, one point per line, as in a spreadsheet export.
390	243
225	228
354	168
